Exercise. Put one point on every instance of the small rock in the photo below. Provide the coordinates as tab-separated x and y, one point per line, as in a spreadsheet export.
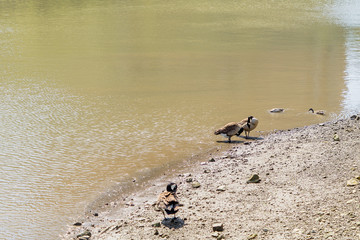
206	171
77	224
220	237
252	236
221	188
351	201
84	236
215	235
321	124
353	182
196	184
355	117
96	214
336	137
218	227
189	180
156	232
212	160
130	204
157	224
254	179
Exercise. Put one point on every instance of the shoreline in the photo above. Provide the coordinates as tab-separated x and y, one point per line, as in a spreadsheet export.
302	193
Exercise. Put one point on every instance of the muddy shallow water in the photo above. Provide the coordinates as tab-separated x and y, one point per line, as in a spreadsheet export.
94	93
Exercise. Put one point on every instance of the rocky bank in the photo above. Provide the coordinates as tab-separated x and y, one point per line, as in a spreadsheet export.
308	188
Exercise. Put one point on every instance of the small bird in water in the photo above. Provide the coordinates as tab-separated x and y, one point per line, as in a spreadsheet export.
167	201
319	112
276	110
233	128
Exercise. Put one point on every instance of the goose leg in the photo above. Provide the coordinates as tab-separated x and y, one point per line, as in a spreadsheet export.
163	212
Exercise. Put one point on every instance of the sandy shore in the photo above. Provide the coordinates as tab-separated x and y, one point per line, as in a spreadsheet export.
303	192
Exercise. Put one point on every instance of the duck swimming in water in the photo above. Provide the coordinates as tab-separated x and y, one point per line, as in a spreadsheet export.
319	112
276	110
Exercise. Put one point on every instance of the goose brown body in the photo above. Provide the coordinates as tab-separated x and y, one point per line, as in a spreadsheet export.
167	201
234	128
248	125
228	130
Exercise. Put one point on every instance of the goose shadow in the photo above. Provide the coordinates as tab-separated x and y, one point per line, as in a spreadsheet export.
252	138
173	223
232	141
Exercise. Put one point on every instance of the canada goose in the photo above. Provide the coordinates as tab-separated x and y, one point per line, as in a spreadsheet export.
276	110
233	128
228	130
167	201
247	125
319	112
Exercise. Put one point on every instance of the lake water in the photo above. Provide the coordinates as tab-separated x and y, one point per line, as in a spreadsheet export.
94	93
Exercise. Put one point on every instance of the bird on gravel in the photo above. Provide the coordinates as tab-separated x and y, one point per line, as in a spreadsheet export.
319	112
233	128
248	125
167	201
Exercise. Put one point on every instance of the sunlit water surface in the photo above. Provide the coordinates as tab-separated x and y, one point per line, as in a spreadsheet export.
96	92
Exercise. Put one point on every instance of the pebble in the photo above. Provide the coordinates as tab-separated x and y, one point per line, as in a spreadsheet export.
336	137
212	160
353	182
189	180
254	179
77	224
84	236
218	227
196	184
351	201
220	237
221	188
252	236
157	224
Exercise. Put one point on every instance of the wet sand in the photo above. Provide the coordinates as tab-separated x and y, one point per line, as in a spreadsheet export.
303	192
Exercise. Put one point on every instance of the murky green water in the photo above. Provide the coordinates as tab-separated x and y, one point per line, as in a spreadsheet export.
94	92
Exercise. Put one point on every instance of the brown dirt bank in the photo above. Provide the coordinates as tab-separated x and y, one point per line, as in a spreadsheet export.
303	193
